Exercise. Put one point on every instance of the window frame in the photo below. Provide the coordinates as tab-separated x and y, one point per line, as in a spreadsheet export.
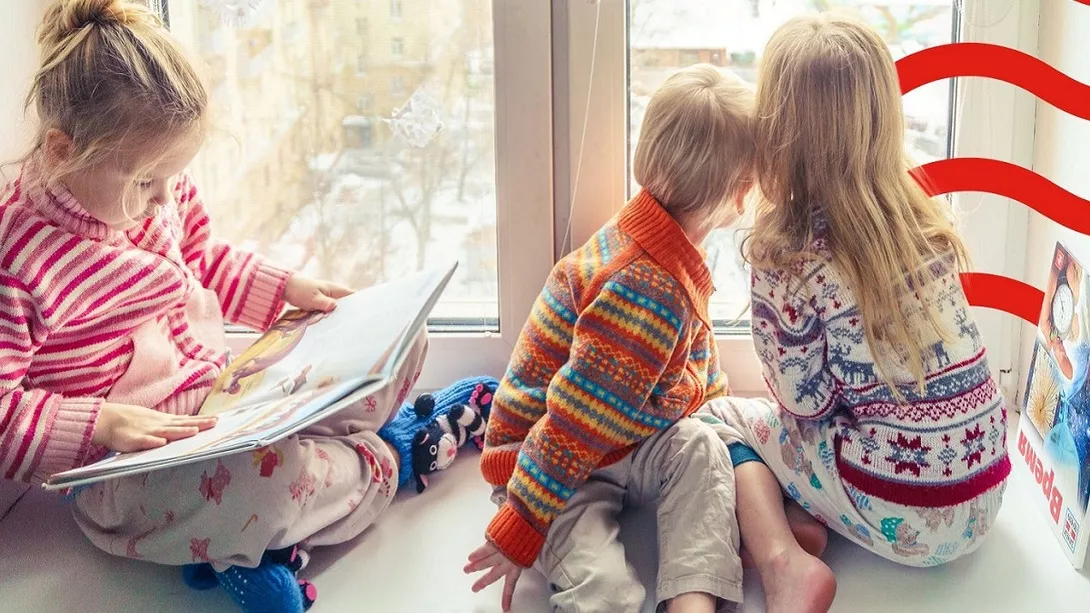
546	94
592	116
524	194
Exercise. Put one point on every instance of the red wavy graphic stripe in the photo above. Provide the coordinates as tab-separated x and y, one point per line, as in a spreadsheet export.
996	62
1008	180
1004	294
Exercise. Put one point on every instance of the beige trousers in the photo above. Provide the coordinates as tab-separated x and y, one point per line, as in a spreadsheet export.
321	487
686	470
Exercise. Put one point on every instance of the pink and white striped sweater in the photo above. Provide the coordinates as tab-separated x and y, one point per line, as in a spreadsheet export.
89	314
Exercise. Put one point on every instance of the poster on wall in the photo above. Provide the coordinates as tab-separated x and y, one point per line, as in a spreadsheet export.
1054	430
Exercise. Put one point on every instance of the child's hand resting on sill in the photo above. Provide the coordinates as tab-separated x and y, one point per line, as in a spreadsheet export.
125	427
310	295
487	557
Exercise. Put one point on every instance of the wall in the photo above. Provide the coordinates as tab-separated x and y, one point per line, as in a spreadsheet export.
16	69
1062	146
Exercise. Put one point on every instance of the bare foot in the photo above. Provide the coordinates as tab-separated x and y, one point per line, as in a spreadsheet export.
811	534
797	582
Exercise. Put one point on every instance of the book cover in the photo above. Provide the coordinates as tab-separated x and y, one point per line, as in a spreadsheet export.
1054	429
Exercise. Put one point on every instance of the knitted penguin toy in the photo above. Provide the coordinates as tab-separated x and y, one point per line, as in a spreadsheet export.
428	433
436	445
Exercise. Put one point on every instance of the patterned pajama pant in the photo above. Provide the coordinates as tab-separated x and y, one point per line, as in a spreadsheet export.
800	454
321	487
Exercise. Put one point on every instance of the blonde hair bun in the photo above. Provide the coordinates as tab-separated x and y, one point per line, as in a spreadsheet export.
67	18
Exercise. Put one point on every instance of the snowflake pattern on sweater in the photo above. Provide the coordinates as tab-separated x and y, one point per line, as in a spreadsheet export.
940	447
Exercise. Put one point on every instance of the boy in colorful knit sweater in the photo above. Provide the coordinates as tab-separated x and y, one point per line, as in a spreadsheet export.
886	424
113	300
594	411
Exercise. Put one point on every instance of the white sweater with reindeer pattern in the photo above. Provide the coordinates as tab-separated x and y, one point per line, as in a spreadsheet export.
938	448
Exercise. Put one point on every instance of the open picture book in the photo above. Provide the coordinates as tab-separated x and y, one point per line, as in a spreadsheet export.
306	367
1054	429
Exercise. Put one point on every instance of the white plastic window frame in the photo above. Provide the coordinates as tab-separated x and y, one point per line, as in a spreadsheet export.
991	119
524	193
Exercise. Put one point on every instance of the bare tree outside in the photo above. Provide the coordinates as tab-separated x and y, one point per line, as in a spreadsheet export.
322	162
311	168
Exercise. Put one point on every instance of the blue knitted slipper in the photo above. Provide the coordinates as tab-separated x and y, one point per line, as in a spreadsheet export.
415	417
270	588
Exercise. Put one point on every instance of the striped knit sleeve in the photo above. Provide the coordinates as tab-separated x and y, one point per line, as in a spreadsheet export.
250	289
41	433
789	336
621	345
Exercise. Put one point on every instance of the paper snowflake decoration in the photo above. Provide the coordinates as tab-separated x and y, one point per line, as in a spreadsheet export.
417	122
233	12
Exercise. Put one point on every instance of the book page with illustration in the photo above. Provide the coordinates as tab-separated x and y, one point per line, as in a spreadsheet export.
305	351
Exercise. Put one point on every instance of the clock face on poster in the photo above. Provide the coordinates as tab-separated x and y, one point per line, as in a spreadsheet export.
1063	309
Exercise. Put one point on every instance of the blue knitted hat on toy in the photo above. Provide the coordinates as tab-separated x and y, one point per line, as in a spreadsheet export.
416	416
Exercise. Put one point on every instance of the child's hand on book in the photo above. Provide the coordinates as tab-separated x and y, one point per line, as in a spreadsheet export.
310	295
125	428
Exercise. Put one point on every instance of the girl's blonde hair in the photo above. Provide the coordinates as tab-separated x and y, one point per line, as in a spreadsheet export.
830	134
110	73
696	143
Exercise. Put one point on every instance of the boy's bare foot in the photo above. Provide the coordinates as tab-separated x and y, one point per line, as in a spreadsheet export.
811	534
797	582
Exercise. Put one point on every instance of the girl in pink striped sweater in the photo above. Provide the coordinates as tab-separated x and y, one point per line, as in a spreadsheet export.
113	299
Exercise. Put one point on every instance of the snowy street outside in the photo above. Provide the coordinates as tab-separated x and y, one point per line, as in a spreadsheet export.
360	140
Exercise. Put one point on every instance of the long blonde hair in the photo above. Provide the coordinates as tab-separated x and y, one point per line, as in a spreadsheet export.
830	143
109	73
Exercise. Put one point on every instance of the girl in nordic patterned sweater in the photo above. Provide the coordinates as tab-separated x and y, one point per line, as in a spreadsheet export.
886	424
113	299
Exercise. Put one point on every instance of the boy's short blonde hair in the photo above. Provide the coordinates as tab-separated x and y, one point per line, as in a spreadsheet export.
696	147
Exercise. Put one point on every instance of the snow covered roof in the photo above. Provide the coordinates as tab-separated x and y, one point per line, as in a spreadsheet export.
357	121
723	24
687	24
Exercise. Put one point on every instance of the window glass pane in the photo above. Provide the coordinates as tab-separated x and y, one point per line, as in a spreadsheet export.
354	139
665	35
